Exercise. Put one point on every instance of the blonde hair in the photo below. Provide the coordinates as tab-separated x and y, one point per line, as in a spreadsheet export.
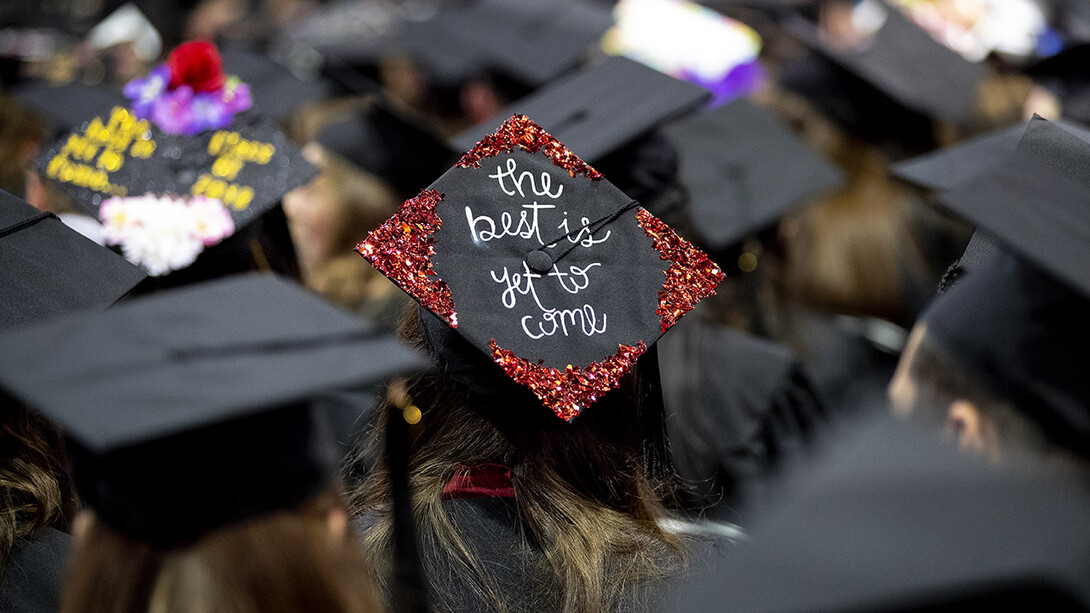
288	561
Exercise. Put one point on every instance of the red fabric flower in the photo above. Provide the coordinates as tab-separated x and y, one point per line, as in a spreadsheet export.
198	65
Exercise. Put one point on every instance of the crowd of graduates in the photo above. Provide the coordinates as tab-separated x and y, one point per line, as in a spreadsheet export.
564	305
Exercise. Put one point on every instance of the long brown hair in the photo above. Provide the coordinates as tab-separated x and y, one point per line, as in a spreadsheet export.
583	495
288	561
35	490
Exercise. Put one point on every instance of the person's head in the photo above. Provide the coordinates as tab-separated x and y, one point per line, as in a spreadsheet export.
329	215
587	491
298	559
206	454
931	386
35	490
998	360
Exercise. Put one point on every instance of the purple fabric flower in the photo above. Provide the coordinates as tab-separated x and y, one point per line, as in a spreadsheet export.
236	96
173	111
144	92
742	80
179	110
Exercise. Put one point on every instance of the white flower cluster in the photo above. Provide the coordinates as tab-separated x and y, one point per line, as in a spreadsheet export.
163	234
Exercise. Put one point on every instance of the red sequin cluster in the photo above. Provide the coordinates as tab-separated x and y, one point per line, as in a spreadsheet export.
401	248
691	277
567	392
520	131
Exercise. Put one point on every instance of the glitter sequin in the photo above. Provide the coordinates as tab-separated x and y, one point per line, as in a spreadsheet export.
692	276
401	248
520	131
566	392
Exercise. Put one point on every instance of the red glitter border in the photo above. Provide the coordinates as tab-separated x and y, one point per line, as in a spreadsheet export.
401	248
692	276
520	131
567	392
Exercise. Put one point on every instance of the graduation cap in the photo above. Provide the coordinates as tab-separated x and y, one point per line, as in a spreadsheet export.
888	89
1018	322
906	64
197	139
388	144
47	269
278	90
896	520
189	409
543	265
532	42
598	110
952	166
744	170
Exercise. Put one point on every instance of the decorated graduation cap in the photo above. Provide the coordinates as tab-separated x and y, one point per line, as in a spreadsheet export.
47	269
744	170
1018	321
188	164
189	410
953	166
598	110
541	264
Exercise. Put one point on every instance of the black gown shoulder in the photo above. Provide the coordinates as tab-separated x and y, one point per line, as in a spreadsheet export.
34	572
737	407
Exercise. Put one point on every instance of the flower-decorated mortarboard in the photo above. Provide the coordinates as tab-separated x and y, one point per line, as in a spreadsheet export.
189	132
542	264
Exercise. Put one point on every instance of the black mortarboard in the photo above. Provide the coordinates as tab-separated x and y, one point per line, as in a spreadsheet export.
952	166
598	110
192	142
531	42
541	264
1018	322
744	170
276	90
1036	201
896	520
389	145
47	269
188	409
906	64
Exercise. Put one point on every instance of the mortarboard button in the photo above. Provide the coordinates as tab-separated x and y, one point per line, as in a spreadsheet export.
189	409
541	264
598	110
47	269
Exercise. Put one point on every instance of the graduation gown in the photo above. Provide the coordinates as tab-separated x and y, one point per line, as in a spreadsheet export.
34	572
737	407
